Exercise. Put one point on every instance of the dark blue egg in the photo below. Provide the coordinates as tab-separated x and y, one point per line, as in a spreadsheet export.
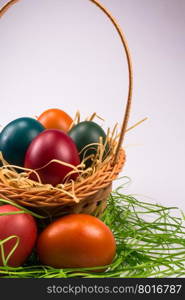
16	137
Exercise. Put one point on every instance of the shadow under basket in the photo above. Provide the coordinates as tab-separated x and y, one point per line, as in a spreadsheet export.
92	192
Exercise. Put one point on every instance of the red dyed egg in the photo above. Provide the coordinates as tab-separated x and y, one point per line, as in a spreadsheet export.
52	144
23	230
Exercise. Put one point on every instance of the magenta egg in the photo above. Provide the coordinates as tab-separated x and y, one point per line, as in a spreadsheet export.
49	145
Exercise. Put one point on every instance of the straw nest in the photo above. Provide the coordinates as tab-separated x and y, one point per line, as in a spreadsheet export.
87	194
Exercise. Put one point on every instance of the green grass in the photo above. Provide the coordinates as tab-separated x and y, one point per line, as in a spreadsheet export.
150	243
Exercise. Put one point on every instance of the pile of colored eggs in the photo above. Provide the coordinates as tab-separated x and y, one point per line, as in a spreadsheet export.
37	144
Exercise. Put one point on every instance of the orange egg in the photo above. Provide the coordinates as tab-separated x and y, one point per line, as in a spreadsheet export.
76	241
55	119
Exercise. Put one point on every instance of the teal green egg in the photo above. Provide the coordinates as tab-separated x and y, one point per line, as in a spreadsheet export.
16	137
84	134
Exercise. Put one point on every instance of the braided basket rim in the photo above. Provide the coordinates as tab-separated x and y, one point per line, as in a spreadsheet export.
54	197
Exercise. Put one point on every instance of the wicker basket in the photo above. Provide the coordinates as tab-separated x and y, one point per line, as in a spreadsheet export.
93	191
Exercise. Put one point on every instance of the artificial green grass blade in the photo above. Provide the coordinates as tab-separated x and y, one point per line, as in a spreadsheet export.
150	243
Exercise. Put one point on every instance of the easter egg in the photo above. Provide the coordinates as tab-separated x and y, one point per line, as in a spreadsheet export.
49	145
16	137
55	119
84	134
23	228
76	241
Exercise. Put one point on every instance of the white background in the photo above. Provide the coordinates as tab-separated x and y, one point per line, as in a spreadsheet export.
66	54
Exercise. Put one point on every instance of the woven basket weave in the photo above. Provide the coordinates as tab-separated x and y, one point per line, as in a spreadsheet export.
93	191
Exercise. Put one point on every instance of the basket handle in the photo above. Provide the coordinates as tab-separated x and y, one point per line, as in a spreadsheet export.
129	62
